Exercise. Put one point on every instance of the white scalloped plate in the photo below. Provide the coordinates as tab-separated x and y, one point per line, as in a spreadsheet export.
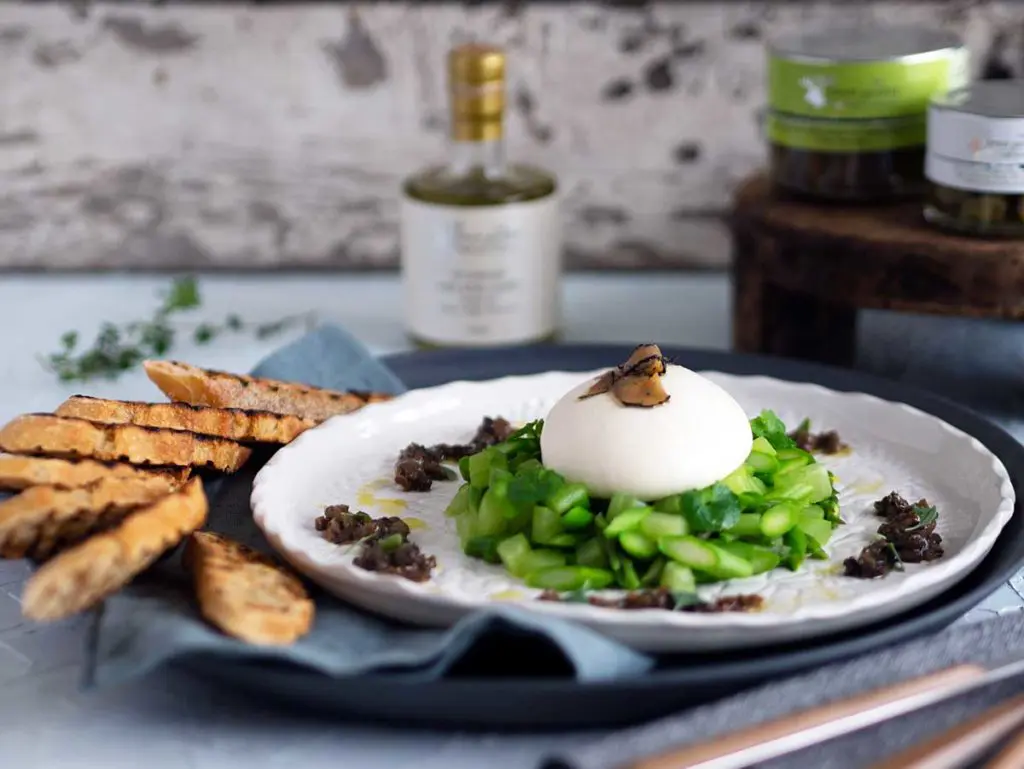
349	459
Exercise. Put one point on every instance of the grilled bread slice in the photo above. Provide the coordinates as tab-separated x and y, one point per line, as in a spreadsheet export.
42	520
235	424
66	437
19	472
203	387
80	577
247	594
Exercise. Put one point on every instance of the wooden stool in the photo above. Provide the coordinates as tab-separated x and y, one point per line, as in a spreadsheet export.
801	272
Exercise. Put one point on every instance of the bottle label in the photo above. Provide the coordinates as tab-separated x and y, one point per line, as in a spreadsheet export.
481	275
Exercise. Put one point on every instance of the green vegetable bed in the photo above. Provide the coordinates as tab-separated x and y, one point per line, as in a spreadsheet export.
778	509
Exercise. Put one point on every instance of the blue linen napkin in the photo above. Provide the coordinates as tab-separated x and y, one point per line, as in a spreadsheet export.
154	620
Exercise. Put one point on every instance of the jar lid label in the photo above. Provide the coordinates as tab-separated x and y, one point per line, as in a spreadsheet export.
873	89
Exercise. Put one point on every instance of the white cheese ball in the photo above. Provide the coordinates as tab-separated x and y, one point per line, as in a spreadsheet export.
695	439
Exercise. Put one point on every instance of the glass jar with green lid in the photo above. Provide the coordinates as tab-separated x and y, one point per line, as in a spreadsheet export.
975	162
848	108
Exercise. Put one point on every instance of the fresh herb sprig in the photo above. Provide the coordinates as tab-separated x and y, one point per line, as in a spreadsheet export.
119	348
926	516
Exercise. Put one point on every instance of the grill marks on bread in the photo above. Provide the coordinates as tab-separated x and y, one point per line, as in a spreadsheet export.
241	425
79	578
208	387
22	472
246	594
69	437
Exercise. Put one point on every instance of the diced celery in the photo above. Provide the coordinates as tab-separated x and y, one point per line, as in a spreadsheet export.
777	520
762	463
761	559
729	565
797	541
818	528
566	578
577	518
592	553
638	545
815	550
652	576
541	559
480	465
807	485
563	540
831	508
512	552
619	503
484	548
528	465
762	445
748	525
664	524
499	479
678	578
787	467
742	481
491	518
786	455
626	520
391	543
689	551
465	526
568	496
546	525
628	576
672	505
509	447
459	503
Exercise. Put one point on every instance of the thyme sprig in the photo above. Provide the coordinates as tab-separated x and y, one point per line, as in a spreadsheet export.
120	348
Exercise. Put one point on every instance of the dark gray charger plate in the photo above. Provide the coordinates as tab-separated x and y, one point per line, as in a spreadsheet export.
471	700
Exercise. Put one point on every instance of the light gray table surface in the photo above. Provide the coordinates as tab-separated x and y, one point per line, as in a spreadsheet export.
165	721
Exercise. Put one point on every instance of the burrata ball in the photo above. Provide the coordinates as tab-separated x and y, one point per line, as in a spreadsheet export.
696	438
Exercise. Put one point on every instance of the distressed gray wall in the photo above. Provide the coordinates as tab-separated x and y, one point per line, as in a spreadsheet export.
260	136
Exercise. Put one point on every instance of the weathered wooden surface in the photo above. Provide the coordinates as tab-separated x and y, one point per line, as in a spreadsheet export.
233	135
803	272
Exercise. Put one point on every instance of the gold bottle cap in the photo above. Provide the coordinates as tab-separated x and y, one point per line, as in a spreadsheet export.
476	64
476	81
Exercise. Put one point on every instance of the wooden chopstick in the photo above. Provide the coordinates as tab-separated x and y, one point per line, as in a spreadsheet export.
1011	756
964	743
721	747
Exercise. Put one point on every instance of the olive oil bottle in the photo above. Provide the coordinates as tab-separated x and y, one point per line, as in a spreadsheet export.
480	237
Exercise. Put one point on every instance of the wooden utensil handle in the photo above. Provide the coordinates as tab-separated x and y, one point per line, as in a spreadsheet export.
692	755
1010	757
964	743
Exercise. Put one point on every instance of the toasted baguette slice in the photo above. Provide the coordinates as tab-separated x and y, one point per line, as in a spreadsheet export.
246	594
203	387
41	520
49	435
79	578
236	424
18	473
